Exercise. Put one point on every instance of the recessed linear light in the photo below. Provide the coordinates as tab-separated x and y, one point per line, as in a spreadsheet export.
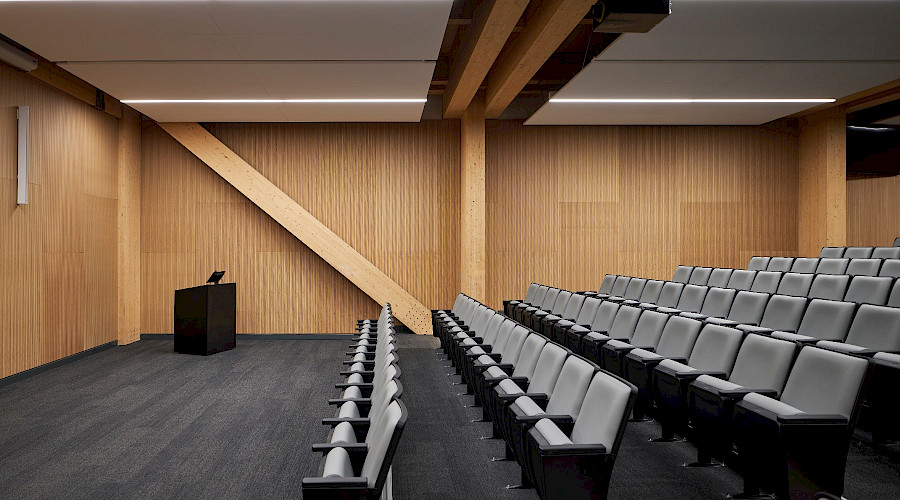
272	101
688	101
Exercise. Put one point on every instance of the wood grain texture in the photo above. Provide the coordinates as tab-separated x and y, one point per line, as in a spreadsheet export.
873	211
129	219
389	190
566	205
823	182
472	258
58	253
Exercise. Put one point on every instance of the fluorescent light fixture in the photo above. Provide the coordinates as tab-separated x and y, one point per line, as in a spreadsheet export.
689	101
272	101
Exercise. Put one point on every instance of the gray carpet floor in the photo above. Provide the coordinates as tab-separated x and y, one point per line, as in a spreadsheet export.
142	422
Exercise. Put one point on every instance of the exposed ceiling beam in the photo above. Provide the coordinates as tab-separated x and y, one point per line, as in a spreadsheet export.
551	23
493	22
66	82
861	100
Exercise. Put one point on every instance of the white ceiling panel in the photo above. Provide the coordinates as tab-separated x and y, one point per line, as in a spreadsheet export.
206	112
226	30
660	114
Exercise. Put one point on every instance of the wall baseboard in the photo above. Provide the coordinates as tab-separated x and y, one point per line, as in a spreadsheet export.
54	364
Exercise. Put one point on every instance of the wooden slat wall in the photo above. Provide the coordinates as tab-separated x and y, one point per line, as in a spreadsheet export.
873	211
389	190
58	253
568	204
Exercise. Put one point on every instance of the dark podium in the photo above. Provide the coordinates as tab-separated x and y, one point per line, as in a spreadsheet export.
205	320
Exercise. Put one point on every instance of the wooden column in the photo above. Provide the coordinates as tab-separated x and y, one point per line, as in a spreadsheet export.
472	201
129	227
823	181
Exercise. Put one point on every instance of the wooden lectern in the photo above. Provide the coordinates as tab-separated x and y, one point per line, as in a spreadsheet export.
205	321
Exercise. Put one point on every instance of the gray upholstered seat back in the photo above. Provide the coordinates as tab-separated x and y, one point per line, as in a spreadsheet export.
546	371
571	385
499	344
763	363
491	332
620	286
380	401
561	301
678	337
748	307
890	267
784	312
716	348
824	382
635	287
573	306
832	266
602	412
550	299
719	277
886	253
604	317
692	298
741	280
652	290
461	299
827	319
588	311
758	263
380	442
700	276
649	328
528	356
864	267
876	327
795	284
670	293
806	265
832	252
539	295
782	264
766	282
718	302
481	319
682	274
894	298
829	287
529	294
626	320
607	283
513	347
869	290
858	252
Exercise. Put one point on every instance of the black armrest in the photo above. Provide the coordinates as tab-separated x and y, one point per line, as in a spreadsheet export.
533	419
507	367
807	419
350	447
740	393
361	385
362	421
493	355
364	373
562	450
321	488
358	401
537	397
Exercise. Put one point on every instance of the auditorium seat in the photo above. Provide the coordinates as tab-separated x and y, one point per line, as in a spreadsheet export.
576	462
783	313
691	300
558	307
716	304
619	287
647	333
832	252
340	477
829	287
758	263
675	342
886	253
700	276
781	264
682	274
897	241
741	280
805	265
869	290
795	284
668	296
822	320
894	298
713	354
747	309
874	329
797	445
504	354
573	307
602	322
584	319
521	373
632	292
882	397
529	296
719	277
650	294
890	268
353	421
538	299
607	283
766	281
858	252
832	266
864	267
762	366
621	328
545	305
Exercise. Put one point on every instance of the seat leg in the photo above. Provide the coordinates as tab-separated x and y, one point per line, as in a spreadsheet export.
526	483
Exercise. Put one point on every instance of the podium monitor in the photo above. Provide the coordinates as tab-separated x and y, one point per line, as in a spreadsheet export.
215	277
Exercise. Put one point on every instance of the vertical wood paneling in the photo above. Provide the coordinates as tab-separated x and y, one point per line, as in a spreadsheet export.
873	211
568	204
58	253
472	201
823	182
128	189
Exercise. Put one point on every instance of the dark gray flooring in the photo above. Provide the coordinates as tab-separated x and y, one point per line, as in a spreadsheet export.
142	422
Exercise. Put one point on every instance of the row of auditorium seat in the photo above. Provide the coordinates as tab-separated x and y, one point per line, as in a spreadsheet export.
861	252
561	416
723	384
827	265
878	290
366	428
